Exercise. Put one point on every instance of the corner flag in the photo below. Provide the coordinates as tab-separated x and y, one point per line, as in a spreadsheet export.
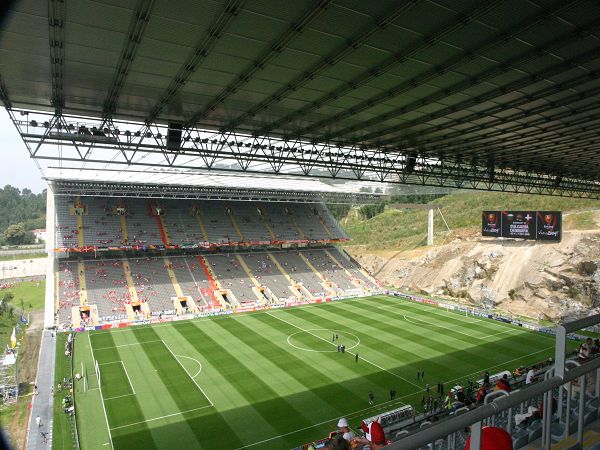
13	339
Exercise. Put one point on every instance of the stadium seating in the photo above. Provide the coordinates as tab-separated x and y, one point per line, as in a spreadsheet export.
222	280
186	223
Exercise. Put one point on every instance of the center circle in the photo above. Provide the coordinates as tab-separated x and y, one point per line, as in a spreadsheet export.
325	337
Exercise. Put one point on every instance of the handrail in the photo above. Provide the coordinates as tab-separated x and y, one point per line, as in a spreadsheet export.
431	434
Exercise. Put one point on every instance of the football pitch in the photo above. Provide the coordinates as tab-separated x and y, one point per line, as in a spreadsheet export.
274	379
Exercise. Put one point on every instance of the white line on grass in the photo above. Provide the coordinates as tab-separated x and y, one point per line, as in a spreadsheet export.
179	362
419	322
101	397
118	396
127	345
128	379
332	343
370	408
193	359
161	417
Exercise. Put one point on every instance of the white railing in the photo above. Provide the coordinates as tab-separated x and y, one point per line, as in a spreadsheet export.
564	376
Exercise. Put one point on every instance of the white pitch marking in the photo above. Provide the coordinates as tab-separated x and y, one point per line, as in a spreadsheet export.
197	385
193	359
127	345
101	398
161	417
332	343
321	351
364	410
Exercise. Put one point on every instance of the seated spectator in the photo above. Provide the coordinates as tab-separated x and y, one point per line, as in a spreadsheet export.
596	347
462	398
374	434
585	350
530	378
503	384
449	401
344	429
338	442
493	438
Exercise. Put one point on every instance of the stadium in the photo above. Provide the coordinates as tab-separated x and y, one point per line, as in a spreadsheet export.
202	289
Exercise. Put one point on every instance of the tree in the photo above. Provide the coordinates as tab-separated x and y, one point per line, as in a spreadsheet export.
16	234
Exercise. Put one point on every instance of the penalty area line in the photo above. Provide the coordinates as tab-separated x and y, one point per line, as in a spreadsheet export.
161	417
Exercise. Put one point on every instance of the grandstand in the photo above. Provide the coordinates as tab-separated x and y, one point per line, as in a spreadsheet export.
120	259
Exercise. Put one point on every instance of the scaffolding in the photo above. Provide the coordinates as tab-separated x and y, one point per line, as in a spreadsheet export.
9	384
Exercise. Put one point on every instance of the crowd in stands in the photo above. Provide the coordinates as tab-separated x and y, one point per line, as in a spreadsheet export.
438	403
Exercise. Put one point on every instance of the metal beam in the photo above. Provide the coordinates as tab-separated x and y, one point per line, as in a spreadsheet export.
393	61
267	154
56	27
325	63
135	32
465	57
296	28
201	50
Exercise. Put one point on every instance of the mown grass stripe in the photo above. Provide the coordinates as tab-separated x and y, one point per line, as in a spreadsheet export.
249	382
504	343
337	394
384	347
124	409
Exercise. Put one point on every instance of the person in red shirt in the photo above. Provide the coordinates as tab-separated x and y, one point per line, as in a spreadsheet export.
484	389
493	438
503	384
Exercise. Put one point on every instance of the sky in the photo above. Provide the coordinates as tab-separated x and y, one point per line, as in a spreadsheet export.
16	167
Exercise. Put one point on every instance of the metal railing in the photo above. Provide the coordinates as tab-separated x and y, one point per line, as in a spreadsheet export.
567	376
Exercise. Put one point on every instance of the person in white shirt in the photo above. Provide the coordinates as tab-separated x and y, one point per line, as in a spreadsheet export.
530	378
345	429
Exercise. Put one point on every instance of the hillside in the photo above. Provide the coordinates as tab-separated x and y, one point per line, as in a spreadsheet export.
407	229
549	281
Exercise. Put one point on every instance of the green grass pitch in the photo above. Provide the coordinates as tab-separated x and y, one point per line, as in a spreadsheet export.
274	379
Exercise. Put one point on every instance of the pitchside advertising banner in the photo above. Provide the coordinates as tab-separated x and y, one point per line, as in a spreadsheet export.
540	225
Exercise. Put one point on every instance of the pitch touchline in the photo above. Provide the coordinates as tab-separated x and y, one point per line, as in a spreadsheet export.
161	417
380	404
331	343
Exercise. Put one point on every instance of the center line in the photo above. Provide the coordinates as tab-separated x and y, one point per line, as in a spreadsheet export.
327	340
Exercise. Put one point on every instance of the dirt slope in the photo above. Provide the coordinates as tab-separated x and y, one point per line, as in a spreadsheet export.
536	279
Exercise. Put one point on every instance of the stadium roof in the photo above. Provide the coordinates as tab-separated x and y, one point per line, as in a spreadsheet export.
487	93
200	185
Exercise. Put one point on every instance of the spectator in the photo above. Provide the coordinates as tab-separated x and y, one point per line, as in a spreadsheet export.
503	384
530	378
374	434
345	429
486	377
448	402
493	438
585	350
338	443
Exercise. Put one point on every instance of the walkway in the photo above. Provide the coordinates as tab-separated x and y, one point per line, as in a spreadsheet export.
43	402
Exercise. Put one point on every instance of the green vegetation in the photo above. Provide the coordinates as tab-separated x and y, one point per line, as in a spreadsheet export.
406	229
21	256
580	221
273	379
27	296
20	212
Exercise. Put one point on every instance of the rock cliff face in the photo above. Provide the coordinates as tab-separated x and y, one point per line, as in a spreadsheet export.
535	279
